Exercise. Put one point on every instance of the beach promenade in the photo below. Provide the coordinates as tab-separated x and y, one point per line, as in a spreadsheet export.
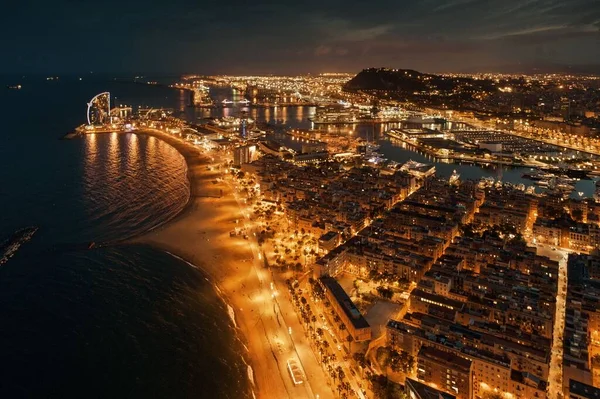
200	235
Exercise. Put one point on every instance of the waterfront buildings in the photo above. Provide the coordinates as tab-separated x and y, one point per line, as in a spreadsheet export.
344	308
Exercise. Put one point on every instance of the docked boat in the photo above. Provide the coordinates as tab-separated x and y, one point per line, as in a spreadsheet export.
372	147
532	176
565	187
418	169
256	133
577	173
572	173
559	184
375	159
487	181
537	175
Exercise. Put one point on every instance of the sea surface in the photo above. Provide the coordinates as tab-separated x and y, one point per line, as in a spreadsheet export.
117	320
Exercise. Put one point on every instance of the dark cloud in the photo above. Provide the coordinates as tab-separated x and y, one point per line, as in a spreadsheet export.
284	37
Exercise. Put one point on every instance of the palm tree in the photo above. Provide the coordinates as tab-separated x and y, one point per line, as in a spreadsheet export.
410	363
359	358
347	386
320	349
349	339
342	327
395	360
340	372
313	318
333	375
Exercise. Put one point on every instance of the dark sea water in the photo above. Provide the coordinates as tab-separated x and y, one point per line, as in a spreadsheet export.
115	321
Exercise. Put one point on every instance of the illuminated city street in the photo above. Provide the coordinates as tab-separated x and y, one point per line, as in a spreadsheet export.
555	377
283	333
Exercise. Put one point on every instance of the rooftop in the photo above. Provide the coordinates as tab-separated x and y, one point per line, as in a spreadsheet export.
445	358
328	236
423	391
583	390
352	312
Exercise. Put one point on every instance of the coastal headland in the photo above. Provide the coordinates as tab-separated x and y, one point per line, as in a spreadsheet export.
200	235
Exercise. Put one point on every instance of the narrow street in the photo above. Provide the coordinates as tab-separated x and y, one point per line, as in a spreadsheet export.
555	374
353	378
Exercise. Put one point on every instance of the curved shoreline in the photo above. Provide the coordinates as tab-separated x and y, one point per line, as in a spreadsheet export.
189	154
199	235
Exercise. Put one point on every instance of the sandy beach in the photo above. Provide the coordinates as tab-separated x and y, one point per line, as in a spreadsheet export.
200	235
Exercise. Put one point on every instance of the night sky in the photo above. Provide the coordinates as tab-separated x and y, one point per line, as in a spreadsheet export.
280	36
